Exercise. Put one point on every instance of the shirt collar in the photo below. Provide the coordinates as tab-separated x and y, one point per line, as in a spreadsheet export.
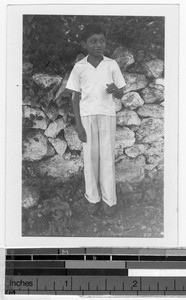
84	60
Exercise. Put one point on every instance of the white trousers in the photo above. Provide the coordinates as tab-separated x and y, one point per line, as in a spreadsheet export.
99	158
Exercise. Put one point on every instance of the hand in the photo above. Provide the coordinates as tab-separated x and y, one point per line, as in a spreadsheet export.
111	88
82	134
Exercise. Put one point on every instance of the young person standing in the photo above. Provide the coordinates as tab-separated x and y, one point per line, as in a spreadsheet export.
95	82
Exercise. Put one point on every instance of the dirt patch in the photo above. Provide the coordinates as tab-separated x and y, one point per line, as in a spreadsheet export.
62	211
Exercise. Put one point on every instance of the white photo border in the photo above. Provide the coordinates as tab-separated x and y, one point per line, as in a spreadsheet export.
14	125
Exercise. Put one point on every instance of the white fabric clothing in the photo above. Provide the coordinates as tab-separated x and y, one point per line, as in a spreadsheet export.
99	158
92	83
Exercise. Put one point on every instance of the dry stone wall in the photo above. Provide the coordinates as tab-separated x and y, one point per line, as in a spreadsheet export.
50	139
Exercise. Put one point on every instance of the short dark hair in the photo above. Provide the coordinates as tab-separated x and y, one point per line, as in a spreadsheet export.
91	29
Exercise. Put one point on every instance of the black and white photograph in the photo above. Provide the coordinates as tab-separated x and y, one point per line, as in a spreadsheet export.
95	118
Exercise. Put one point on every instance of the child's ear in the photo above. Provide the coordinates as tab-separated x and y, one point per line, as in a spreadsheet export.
84	45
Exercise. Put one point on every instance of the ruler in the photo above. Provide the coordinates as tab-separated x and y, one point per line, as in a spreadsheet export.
95	271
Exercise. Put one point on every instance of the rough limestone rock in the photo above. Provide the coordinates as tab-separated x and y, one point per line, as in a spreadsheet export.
127	117
132	100
30	196
27	100
35	118
51	111
61	167
155	153
71	136
123	57
149	168
59	145
63	113
45	99
155	160
151	95
55	127
124	138
118	104
162	103
151	110
156	148
62	92
160	167
160	81
134	128
150	130
157	86
45	80
134	82
27	68
131	170
36	147
136	150
154	68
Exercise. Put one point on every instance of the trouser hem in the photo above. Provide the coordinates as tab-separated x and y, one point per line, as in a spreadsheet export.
110	203
94	201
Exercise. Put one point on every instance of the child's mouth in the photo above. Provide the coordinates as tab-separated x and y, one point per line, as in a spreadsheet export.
98	51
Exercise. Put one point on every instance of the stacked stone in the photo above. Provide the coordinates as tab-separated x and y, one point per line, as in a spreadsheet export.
140	126
51	139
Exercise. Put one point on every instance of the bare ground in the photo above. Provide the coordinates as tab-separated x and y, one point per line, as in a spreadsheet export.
62	211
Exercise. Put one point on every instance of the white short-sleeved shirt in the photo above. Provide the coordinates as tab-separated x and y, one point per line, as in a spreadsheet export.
92	82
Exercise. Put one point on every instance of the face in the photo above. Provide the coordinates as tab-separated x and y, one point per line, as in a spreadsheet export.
95	45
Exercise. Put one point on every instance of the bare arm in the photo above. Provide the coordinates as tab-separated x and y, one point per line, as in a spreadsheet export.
75	104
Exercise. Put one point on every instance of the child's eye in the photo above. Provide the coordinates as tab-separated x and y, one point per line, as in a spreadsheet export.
94	41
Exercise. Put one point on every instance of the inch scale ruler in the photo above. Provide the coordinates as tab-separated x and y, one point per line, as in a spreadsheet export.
95	271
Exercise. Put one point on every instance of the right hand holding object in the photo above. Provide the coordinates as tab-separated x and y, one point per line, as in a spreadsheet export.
111	88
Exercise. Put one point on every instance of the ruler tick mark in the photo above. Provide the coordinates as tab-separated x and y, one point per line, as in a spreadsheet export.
174	284
140	284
